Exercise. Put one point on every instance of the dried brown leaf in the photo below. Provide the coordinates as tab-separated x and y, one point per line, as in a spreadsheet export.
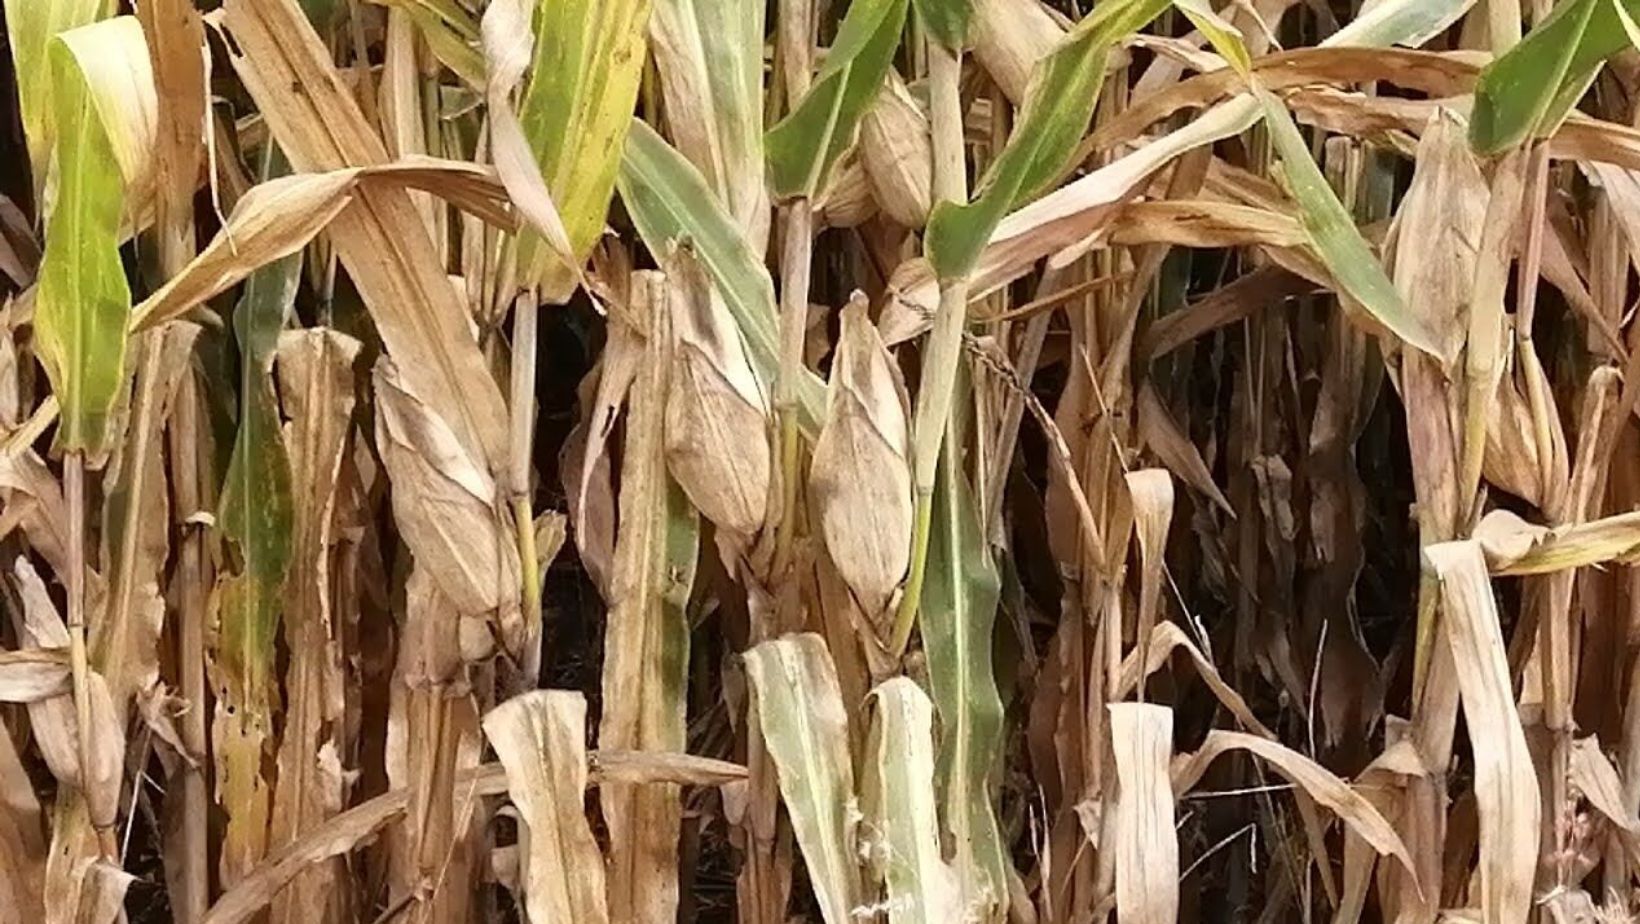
540	738
1147	849
1506	787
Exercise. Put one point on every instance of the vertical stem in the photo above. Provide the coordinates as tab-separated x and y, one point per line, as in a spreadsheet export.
192	577
945	340
74	488
796	253
796	39
526	325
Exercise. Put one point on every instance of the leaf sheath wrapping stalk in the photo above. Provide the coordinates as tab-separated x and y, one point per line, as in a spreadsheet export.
646	640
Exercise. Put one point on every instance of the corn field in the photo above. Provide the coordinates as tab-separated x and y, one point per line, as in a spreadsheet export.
856	462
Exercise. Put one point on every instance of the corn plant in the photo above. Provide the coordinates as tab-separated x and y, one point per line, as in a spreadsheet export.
917	461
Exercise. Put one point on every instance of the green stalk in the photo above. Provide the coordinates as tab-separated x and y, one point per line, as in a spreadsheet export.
944	340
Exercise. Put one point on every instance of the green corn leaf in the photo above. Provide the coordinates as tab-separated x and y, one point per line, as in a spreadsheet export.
1327	223
946	20
902	807
1409	23
800	710
959	607
30	27
669	203
589	58
1527	91
83	304
255	514
1058	104
805	145
256	509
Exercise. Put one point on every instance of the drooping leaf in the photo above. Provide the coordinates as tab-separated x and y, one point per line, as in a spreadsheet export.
1147	847
1506	787
540	738
30	27
800	710
670	203
1328	224
803	147
380	237
1063	91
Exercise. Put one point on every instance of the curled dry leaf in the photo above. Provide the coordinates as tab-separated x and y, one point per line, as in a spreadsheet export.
1319	783
1514	546
379	237
717	445
709	57
1167	637
861	477
1595	777
33	675
1147	848
1161	433
34	498
1440	228
540	738
1151	493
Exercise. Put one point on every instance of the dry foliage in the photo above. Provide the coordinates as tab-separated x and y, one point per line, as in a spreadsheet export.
902	461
